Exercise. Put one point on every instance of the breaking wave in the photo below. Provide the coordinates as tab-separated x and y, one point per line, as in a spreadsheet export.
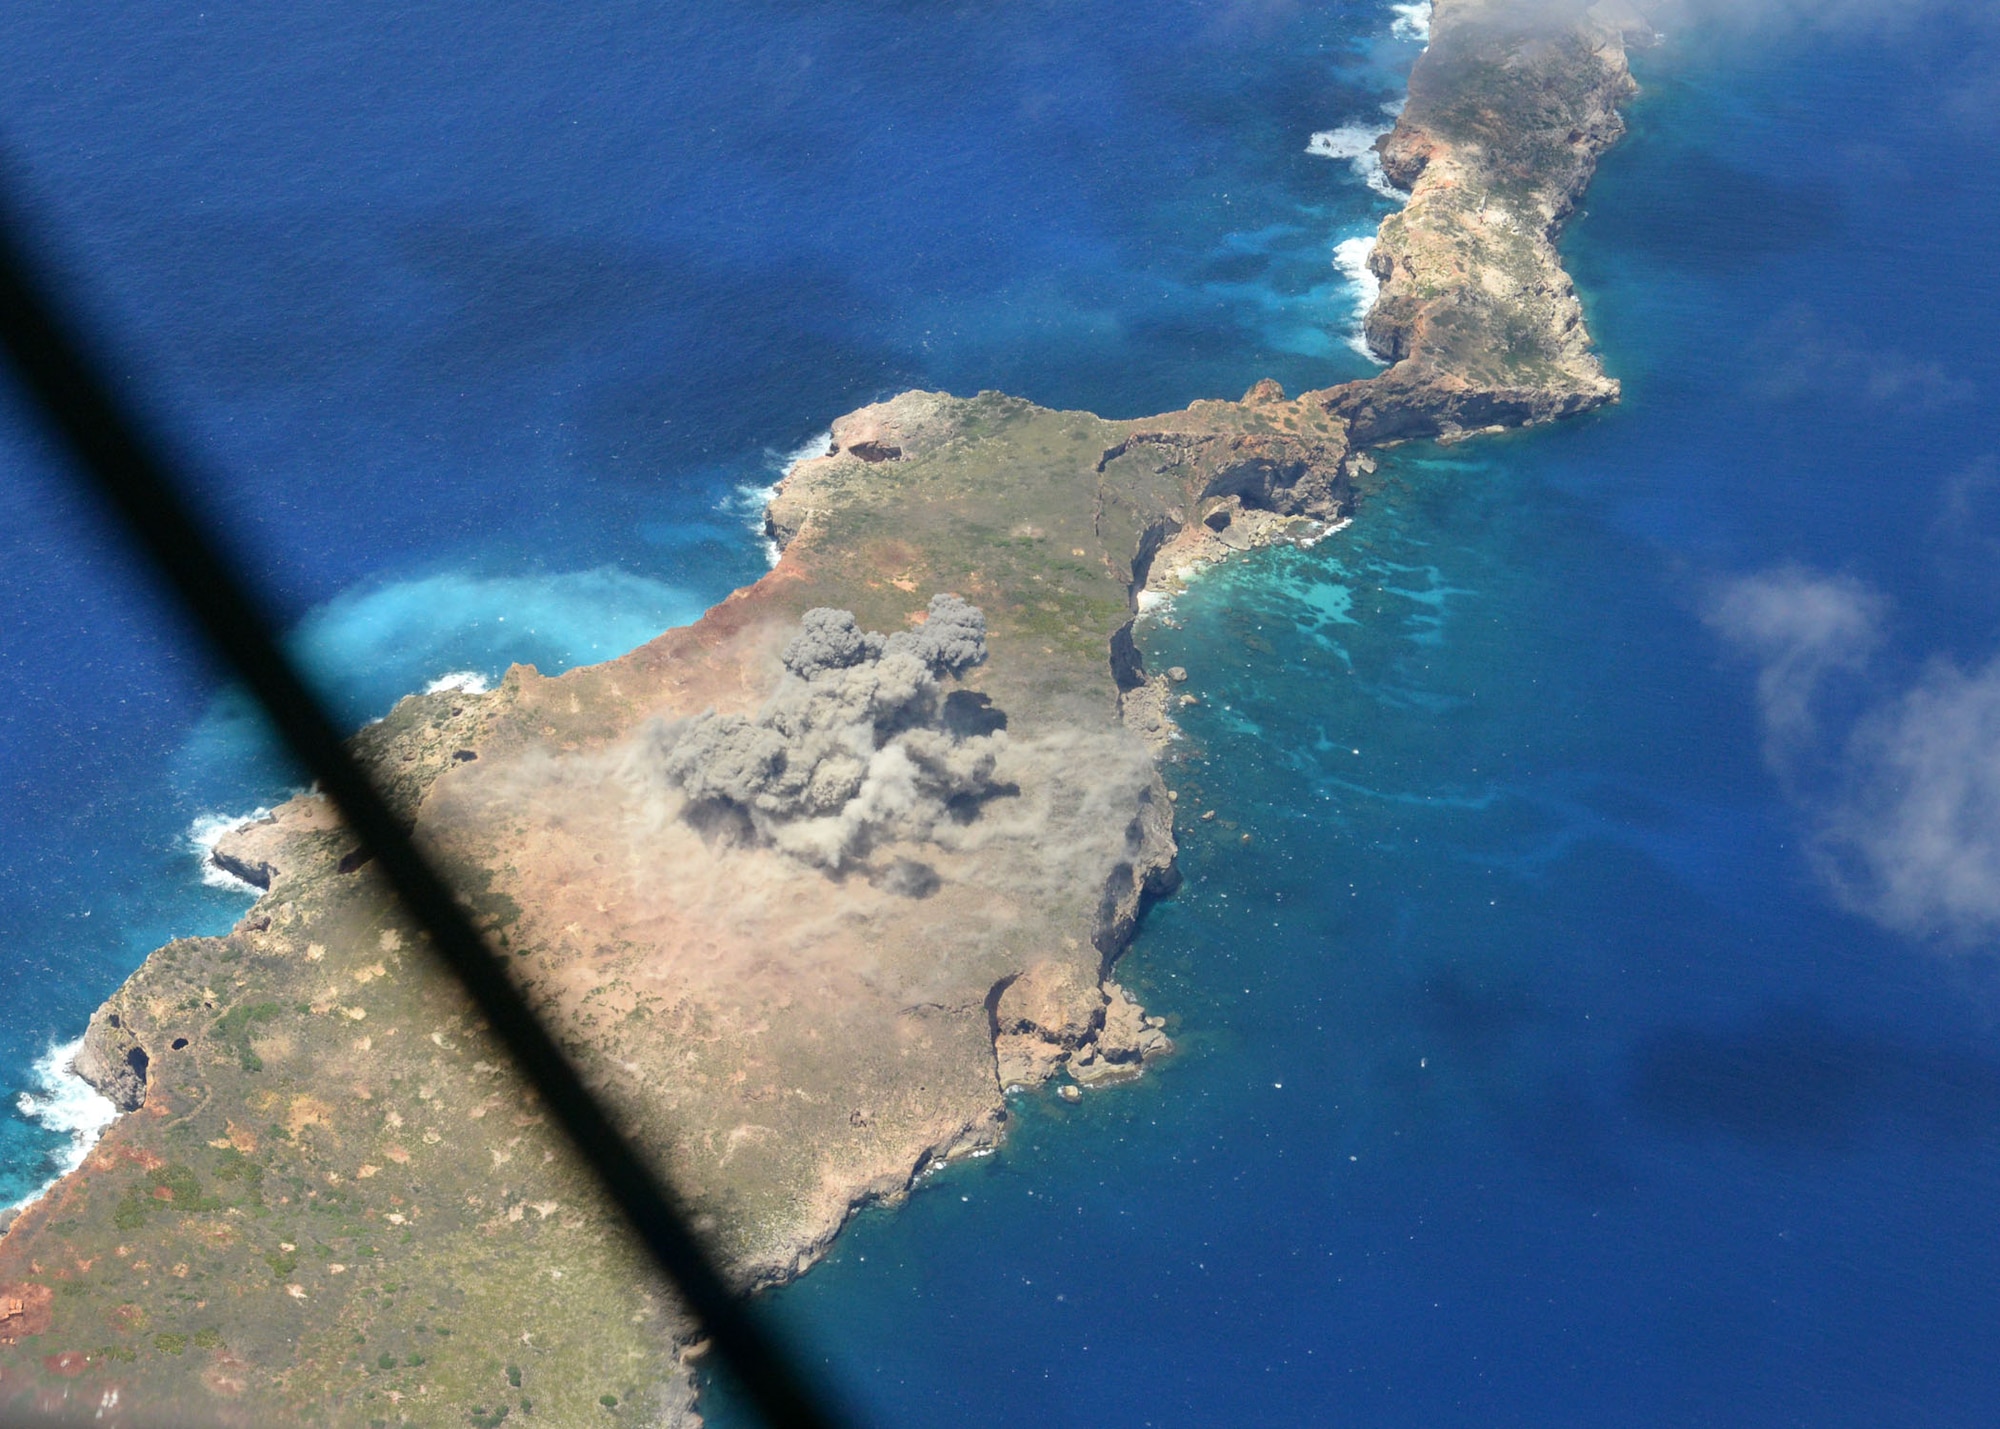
1350	256
750	498
64	1103
202	836
1356	144
1413	22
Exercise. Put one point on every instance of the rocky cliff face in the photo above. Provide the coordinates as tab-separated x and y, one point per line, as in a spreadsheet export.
330	1200
114	1060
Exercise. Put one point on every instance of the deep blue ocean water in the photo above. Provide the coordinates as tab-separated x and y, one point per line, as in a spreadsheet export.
1533	1067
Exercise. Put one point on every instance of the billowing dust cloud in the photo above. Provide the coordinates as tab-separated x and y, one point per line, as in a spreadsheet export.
852	750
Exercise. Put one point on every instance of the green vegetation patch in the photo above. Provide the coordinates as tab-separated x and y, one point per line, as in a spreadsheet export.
233	1030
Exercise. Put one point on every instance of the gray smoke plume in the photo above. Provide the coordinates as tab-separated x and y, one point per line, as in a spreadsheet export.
852	749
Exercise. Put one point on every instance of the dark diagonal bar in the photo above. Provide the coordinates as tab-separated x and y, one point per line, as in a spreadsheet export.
130	474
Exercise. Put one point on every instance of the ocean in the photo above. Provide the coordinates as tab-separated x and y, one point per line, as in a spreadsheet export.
1597	1023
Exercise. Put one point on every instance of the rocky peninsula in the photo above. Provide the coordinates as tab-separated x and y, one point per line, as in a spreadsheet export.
806	887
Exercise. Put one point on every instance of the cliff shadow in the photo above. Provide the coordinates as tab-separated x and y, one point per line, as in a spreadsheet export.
1795	1080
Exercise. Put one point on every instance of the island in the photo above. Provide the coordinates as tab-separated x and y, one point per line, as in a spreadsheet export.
807	888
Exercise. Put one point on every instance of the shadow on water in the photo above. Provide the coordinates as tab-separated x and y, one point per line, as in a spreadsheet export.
1794	1079
1569	1136
1471	1014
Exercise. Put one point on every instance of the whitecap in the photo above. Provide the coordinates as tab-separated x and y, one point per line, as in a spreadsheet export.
1351	256
464	682
66	1105
1355	142
1349	141
1306	543
1413	22
750	498
202	836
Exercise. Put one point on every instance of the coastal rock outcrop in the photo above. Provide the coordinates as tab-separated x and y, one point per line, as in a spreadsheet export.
1048	1019
911	424
113	1060
255	849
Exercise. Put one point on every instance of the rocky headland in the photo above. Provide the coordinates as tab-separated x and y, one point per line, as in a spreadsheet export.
1509	110
806	887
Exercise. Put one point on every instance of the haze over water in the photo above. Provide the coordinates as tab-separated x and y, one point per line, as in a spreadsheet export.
1534	1069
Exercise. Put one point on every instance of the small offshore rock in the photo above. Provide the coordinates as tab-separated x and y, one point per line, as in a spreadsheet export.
1069	1093
1207	814
1177	674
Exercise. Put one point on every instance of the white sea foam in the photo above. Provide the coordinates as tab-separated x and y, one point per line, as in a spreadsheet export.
750	499
1306	543
1355	142
1350	256
203	835
1349	141
814	446
67	1105
464	682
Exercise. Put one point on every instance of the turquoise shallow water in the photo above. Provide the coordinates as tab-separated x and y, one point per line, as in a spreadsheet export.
1532	1069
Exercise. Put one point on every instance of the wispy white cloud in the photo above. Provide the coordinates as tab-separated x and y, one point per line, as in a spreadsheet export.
1799	627
1964	534
1904	799
1914	837
1876	15
1799	352
1965	90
